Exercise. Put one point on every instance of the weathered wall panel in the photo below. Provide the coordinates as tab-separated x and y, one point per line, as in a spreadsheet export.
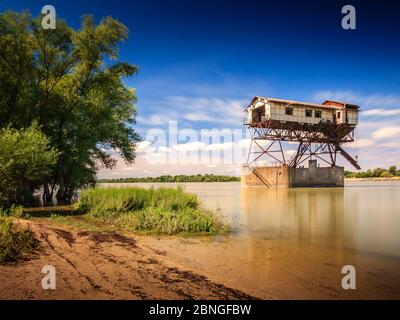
288	177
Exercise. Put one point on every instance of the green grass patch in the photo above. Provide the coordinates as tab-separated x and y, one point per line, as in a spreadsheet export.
16	241
82	222
161	210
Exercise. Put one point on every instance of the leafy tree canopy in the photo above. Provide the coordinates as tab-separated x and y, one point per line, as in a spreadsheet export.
374	173
71	83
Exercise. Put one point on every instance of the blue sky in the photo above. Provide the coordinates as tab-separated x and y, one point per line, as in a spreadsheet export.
202	61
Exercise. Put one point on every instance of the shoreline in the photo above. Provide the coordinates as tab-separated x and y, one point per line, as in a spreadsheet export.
373	179
107	265
241	265
345	179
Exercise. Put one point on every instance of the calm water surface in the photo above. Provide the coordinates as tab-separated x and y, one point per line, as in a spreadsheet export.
292	243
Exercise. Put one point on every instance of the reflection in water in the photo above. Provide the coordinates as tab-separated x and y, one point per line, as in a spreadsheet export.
301	213
312	217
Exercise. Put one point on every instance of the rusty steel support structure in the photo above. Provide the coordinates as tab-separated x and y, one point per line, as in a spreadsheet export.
323	141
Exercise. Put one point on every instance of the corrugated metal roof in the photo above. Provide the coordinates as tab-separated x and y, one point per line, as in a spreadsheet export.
346	104
293	102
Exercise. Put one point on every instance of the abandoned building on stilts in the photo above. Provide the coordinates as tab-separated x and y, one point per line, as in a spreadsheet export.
313	132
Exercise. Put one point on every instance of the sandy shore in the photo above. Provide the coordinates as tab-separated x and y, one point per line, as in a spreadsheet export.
372	179
105	265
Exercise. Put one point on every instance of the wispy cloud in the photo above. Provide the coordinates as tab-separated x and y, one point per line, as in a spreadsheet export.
212	110
378	130
361	143
142	146
368	101
388	132
381	112
157	119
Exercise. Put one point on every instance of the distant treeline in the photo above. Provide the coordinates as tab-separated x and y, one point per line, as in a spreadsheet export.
374	173
179	178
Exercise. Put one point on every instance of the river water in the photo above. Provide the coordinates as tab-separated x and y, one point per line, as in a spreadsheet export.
293	243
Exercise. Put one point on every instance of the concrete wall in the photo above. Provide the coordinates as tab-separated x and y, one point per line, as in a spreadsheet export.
272	177
288	177
316	177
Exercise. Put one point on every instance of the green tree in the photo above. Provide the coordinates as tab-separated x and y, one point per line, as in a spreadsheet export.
348	174
26	159
392	170
377	172
71	83
386	174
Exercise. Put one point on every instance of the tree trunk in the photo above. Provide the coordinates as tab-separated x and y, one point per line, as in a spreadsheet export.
25	197
47	197
61	188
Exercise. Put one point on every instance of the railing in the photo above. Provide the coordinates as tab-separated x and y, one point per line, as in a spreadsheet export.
249	121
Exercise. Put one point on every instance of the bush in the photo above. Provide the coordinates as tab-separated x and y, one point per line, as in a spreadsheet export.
163	210
25	159
13	211
377	172
386	174
374	173
158	220
393	170
15	240
101	200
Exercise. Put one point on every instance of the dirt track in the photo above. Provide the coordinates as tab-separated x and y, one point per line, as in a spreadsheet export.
108	265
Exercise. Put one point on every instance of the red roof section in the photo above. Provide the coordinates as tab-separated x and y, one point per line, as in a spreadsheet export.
340	104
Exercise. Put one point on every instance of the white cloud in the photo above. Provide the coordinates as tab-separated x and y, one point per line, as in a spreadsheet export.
244	143
163	149
220	146
190	146
196	109
379	127
154	155
198	116
153	119
143	146
387	132
381	112
391	144
360	143
290	153
128	169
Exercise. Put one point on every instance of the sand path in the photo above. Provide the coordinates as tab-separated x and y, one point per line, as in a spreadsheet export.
104	265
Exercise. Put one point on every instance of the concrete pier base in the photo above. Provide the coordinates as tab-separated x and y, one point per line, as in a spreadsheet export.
288	177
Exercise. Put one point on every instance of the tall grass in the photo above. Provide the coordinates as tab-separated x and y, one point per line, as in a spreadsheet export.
163	210
15	240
